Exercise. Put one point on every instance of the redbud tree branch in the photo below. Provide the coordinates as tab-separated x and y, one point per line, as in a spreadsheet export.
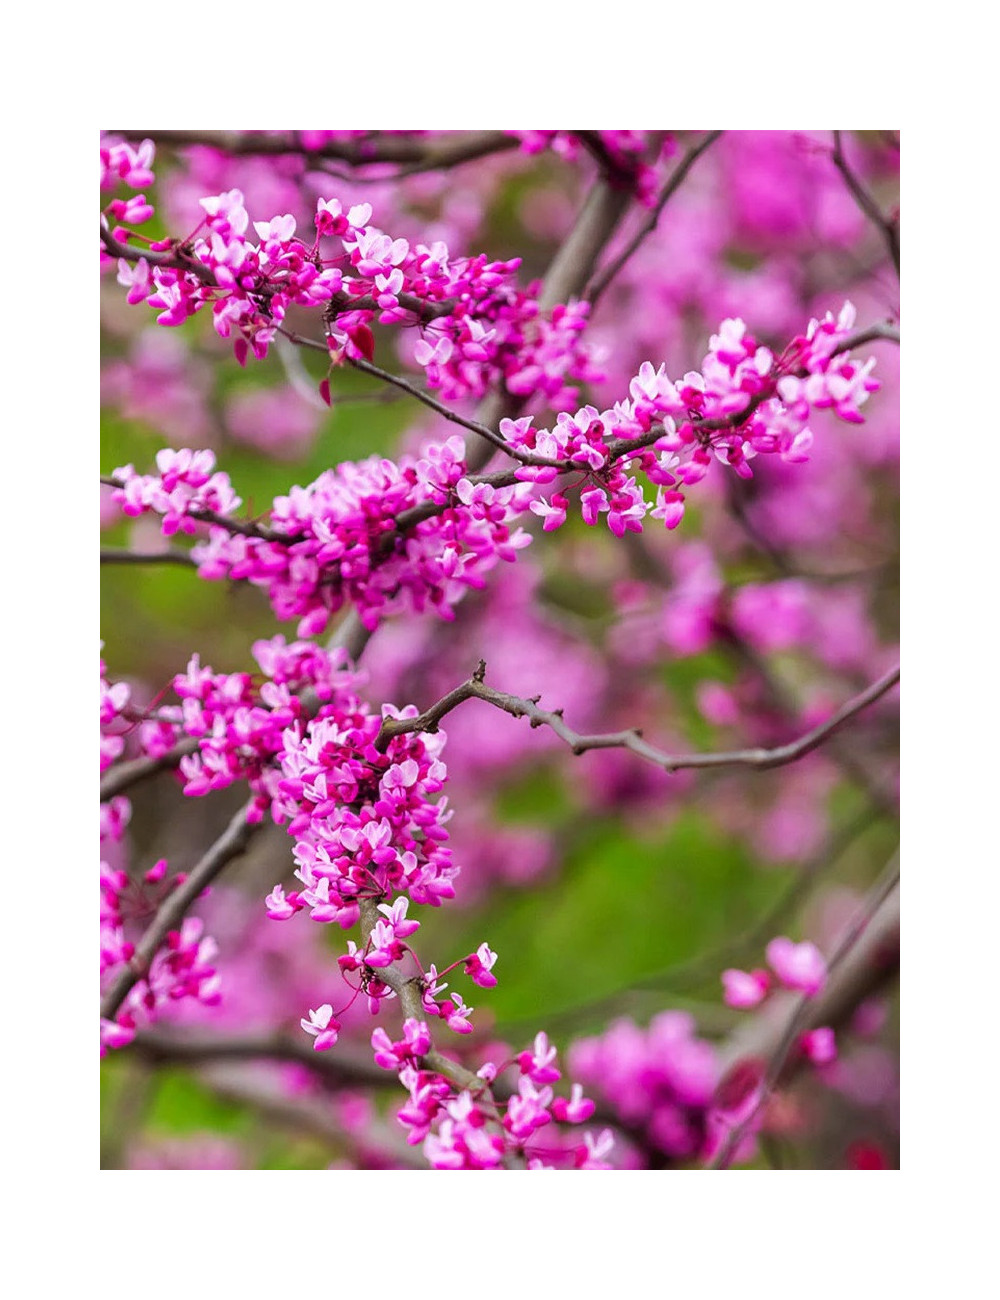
565	278
759	758
887	226
601	281
867	953
409	991
235	838
414	153
571	266
172	910
342	1067
109	556
123	775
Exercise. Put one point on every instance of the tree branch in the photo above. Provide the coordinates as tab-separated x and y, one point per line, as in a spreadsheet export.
759	758
109	556
600	282
865	956
887	226
122	775
414	153
342	1067
569	271
172	910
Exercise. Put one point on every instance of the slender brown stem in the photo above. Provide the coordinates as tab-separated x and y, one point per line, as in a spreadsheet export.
413	152
122	775
888	227
860	957
342	1067
110	556
601	281
759	758
172	910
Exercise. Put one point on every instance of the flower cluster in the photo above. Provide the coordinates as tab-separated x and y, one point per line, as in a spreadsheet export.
365	821
469	1129
742	403
798	966
123	165
660	1081
239	723
114	703
337	540
185	488
479	328
182	968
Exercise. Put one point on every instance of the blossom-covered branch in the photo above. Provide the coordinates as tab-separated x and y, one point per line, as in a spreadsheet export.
171	913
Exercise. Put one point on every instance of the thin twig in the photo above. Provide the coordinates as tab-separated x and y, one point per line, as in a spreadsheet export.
122	775
171	911
414	153
245	527
686	975
758	758
600	282
806	1011
112	556
341	1067
887	226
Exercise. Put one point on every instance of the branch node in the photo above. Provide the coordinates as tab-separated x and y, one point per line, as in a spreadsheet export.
480	674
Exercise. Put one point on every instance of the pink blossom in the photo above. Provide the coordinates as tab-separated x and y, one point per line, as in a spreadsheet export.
744	990
797	965
323	1025
539	1064
480	966
819	1045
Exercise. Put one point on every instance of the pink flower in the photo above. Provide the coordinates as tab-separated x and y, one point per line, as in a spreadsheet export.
280	908
456	1015
591	1155
416	1042
797	965
553	511
539	1064
479	966
819	1045
744	990
396	914
323	1026
575	1111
